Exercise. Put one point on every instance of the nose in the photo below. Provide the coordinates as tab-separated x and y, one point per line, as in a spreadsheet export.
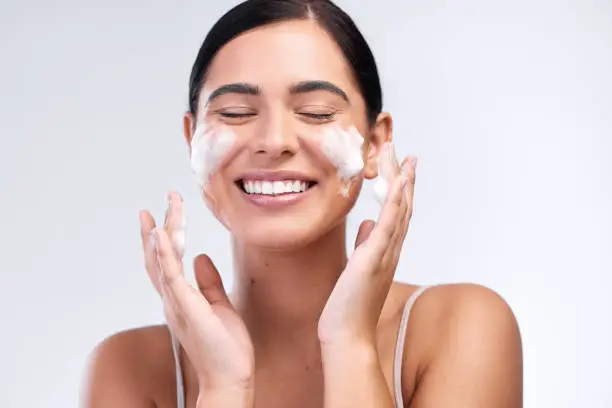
276	137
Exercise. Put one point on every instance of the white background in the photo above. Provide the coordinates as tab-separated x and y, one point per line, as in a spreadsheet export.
508	104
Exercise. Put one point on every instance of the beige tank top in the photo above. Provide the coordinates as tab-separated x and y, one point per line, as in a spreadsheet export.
397	360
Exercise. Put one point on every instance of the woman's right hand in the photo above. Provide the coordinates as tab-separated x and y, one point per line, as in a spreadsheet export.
204	321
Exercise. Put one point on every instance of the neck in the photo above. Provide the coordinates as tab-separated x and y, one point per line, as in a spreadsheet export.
281	294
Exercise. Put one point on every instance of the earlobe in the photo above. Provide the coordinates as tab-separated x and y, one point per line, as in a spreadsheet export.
380	133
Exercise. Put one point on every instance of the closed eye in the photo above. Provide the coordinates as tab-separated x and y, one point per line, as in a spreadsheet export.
319	117
235	115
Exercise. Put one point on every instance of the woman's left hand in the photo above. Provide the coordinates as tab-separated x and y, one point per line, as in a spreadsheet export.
352	311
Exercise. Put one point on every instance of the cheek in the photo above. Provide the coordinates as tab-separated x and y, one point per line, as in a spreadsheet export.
218	199
344	150
210	147
349	192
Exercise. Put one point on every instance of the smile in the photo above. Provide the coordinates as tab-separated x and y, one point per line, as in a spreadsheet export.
274	187
275	190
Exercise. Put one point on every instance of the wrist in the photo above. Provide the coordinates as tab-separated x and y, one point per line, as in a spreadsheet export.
353	376
231	397
349	354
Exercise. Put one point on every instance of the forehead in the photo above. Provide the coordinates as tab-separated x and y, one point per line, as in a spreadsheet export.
277	55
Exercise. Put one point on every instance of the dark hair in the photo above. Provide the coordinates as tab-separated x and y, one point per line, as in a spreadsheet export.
256	13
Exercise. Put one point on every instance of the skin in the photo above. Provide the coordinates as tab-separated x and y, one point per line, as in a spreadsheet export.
322	325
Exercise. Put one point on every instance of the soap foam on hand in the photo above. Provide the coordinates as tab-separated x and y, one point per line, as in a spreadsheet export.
380	189
175	206
385	172
179	235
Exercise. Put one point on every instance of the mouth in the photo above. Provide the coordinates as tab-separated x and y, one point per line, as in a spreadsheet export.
274	191
274	188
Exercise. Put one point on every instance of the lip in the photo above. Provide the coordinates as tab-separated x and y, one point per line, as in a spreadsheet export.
270	202
279	175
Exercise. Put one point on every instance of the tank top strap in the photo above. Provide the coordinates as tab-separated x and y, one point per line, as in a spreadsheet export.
399	347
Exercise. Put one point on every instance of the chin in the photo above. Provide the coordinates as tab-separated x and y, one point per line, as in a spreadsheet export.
281	233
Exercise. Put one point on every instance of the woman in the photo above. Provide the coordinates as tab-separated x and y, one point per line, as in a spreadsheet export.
285	121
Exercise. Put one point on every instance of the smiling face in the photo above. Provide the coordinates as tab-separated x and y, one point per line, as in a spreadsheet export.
277	141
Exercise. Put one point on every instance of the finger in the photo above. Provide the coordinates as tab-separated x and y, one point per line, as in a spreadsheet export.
388	170
387	224
174	286
391	211
365	229
391	255
409	169
387	165
209	281
147	226
175	222
396	241
395	166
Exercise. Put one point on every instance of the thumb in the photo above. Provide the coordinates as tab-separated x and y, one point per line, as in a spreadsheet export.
209	281
365	229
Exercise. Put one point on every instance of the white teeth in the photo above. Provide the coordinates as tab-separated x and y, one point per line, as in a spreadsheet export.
278	187
288	186
274	187
267	188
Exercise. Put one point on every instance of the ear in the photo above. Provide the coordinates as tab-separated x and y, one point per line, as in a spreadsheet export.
380	133
188	128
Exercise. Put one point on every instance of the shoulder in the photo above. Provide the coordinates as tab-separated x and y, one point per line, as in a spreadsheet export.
454	306
128	368
463	302
465	331
472	310
446	314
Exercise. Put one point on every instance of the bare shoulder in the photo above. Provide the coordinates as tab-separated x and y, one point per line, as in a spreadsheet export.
446	313
130	368
463	301
469	333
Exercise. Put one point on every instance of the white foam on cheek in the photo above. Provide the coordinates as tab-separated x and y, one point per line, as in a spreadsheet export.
208	149
343	150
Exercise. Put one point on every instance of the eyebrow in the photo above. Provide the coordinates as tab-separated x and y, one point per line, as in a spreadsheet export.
312	86
237	88
299	88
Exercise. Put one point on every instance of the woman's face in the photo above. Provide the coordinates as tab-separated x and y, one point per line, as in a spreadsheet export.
274	94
